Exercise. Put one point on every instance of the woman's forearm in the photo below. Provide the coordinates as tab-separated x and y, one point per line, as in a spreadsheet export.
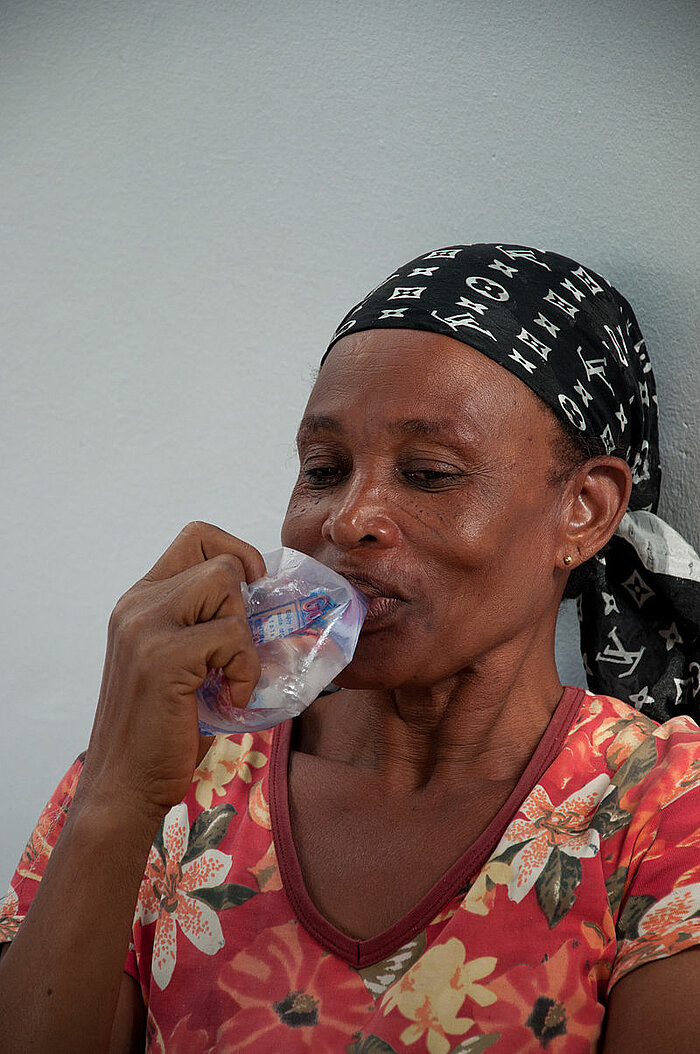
60	979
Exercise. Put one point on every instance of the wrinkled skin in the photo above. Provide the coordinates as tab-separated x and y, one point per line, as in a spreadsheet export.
425	469
428	477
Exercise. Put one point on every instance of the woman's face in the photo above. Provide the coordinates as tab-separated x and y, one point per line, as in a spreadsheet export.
425	478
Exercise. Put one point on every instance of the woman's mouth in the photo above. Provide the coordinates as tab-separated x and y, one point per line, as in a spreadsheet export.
383	599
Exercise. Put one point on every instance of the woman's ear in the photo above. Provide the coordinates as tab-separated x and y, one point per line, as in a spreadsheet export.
598	496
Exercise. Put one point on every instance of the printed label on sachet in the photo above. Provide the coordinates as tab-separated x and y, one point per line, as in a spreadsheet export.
289	618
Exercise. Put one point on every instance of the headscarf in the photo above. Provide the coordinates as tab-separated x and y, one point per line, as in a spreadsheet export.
574	340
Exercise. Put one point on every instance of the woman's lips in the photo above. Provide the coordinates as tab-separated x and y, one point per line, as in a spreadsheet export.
383	599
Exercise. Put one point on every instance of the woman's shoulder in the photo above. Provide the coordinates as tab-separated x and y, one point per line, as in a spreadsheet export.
601	718
659	760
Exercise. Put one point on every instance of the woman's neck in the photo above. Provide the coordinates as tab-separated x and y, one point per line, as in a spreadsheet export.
480	723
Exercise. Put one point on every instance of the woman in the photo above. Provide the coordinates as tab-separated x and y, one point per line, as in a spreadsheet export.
451	852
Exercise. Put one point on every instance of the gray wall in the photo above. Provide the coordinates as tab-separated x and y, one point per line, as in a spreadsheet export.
192	194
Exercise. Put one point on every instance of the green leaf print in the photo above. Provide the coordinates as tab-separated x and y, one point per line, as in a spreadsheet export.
158	840
556	887
227	895
634	909
596	929
508	855
207	831
476	1044
370	1045
614	885
636	767
609	818
382	975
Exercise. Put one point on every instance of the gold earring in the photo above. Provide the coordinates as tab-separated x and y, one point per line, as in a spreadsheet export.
568	560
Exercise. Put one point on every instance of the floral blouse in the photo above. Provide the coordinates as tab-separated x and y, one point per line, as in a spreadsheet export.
590	869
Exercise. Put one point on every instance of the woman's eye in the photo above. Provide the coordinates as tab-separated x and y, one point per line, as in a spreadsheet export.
432	479
318	475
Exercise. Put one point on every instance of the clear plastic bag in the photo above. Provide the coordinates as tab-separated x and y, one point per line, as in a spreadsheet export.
305	621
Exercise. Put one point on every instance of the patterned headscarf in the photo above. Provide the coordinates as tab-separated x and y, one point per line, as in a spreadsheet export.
573	339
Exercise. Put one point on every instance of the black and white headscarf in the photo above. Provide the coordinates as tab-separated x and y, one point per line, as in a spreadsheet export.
574	340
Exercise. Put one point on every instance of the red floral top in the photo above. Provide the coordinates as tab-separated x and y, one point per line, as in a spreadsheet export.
591	868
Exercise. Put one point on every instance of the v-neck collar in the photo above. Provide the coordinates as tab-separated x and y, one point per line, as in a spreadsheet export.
362	953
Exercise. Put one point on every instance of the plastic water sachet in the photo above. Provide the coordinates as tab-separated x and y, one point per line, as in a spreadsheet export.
305	620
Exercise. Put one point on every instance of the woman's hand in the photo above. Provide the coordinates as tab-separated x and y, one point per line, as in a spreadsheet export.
185	616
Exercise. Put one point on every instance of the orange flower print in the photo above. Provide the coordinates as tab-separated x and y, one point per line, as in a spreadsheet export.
546	828
184	1041
9	923
622	737
180	1041
673	909
680	774
287	997
226	759
174	872
432	993
258	807
43	838
266	871
546	1006
670	925
41	842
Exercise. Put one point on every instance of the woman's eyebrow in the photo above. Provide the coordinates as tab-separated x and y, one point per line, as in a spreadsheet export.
438	427
417	426
422	426
445	430
314	423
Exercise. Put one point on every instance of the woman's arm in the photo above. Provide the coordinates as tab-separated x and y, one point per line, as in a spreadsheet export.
61	977
656	1008
128	1027
60	981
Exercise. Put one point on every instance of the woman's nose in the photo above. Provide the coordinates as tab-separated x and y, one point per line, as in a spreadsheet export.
362	518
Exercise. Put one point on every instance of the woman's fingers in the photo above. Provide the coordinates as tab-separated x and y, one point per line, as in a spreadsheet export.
151	621
206	591
224	643
199	542
184	617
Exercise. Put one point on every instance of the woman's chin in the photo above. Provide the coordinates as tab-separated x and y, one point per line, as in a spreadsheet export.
368	673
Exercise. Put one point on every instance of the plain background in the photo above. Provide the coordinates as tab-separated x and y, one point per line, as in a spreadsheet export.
193	194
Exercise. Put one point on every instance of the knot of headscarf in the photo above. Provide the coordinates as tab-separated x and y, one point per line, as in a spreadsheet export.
573	339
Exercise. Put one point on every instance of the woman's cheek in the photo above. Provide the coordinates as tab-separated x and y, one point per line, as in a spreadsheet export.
302	520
